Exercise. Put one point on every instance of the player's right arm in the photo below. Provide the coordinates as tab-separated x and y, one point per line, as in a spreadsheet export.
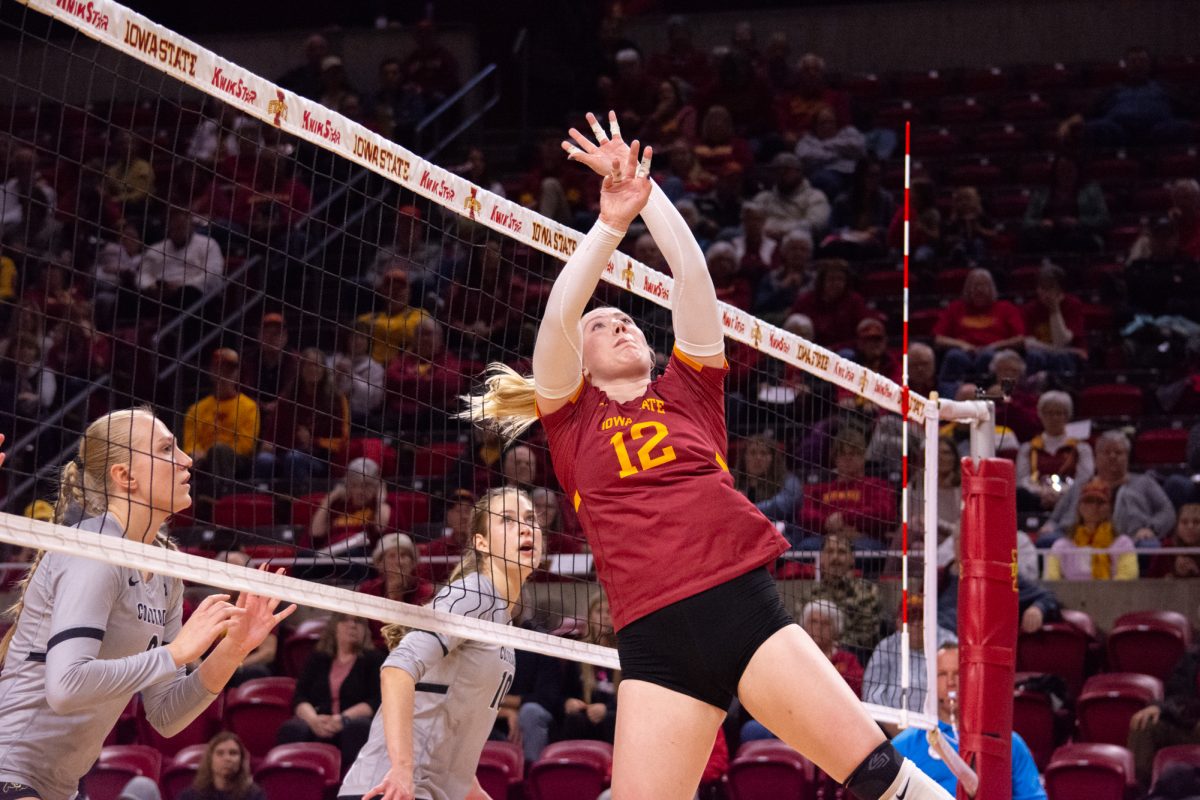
557	353
398	691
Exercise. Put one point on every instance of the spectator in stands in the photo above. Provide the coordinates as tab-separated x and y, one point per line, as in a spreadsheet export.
305	79
1139	111
269	370
1008	377
631	92
949	501
673	117
117	268
968	235
1051	461
881	680
487	309
736	87
431	65
220	431
1056	338
442	553
338	690
424	381
834	308
536	696
309	428
1092	549
647	252
392	329
335	84
1036	604
764	479
1141	510
755	250
279	202
871	349
683	177
797	107
27	204
861	215
1185	210
224	772
1174	720
520	467
1068	215
779	288
1166	280
719	143
829	154
723	202
396	575
972	328
793	200
560	530
355	513
1186	534
398	104
183	267
411	250
914	743
857	599
590	710
55	291
731	286
925	231
681	61
28	387
79	352
865	505
128	178
358	376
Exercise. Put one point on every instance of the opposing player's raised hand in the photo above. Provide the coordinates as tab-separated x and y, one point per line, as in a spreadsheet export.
626	188
599	155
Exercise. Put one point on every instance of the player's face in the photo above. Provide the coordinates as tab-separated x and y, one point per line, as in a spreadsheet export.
161	470
614	348
514	535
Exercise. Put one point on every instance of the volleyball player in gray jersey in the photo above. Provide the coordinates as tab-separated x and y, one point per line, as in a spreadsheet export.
88	635
441	693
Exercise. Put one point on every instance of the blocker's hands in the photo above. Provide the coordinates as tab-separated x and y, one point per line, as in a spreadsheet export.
599	156
626	186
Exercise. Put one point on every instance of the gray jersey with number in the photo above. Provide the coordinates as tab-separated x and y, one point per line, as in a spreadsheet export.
89	637
460	683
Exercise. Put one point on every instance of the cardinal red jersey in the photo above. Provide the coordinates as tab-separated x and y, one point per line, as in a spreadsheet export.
649	481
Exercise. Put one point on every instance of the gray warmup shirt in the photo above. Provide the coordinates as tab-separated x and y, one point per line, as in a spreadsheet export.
89	638
460	683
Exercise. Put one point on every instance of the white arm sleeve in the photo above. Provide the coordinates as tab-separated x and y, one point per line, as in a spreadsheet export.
557	358
694	312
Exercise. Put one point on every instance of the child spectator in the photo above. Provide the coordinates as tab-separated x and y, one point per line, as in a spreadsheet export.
1093	549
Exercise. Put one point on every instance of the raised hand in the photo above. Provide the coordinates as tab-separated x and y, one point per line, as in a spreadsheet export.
211	618
259	618
626	188
597	156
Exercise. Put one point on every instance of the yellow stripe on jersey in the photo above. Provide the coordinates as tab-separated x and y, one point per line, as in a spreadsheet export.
721	461
577	500
691	361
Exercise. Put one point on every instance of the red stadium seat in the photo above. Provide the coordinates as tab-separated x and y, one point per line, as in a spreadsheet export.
201	729
935	143
1186	754
1035	171
180	773
1059	648
1110	400
1032	106
1009	203
436	460
571	769
299	645
770	768
949	282
1048	76
125	731
408	509
251	510
1185	164
1001	140
1024	280
1151	200
1089	771
300	771
256	709
501	767
304	507
1108	701
986	80
957	110
1160	446
1148	642
862	87
921	84
116	766
886	283
1033	718
1116	171
920	323
1122	237
978	173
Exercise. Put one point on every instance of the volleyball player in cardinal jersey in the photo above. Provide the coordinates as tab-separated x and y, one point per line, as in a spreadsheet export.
680	552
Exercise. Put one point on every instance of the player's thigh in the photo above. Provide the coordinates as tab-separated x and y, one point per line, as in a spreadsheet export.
791	688
663	742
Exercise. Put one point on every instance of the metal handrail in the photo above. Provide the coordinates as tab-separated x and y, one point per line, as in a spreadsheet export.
445	105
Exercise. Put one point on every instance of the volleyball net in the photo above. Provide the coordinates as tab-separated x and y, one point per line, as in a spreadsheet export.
302	300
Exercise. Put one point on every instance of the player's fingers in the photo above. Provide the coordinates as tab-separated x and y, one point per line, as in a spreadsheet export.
210	602
572	151
597	129
616	170
643	168
613	126
287	612
584	143
631	158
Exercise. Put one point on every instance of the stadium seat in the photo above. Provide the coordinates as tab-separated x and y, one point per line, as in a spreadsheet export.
1059	648
938	142
921	84
1001	140
985	80
921	323
1148	642
408	509
249	510
299	645
116	766
437	459
1034	719
1121	237
300	771
1185	164
1023	280
979	173
256	709
949	283
1154	199
1160	447
1186	754
201	729
125	731
570	769
1048	76
885	283
1118	171
304	507
501	768
180	772
770	768
1030	107
1089	771
1110	400
958	110
1108	701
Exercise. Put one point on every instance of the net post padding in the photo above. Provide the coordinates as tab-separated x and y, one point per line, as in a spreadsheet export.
27	532
987	622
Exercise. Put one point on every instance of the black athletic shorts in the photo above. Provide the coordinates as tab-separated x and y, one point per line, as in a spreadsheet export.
14	791
700	646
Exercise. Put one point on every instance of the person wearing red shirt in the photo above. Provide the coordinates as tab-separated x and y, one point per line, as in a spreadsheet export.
731	286
972	329
797	107
1054	322
834	308
425	380
681	60
681	554
866	507
396	577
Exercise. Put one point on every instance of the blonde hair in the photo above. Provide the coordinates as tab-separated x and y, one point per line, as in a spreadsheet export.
83	483
508	402
471	560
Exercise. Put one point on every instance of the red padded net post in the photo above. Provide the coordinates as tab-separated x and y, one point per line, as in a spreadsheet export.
987	623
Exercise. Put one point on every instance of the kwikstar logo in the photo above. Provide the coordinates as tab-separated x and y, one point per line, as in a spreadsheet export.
87	13
438	187
239	89
844	372
733	323
472	204
321	127
657	289
779	343
506	218
277	108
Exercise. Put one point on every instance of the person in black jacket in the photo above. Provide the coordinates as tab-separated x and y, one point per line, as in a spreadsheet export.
1176	720
338	690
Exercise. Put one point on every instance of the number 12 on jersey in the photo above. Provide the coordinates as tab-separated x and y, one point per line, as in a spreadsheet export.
657	431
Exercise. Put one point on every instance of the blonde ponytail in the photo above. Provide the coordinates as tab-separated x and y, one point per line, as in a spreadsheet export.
507	403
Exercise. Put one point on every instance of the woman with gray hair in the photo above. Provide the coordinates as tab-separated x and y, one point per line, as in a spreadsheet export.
1052	460
354	513
395	561
778	289
731	286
